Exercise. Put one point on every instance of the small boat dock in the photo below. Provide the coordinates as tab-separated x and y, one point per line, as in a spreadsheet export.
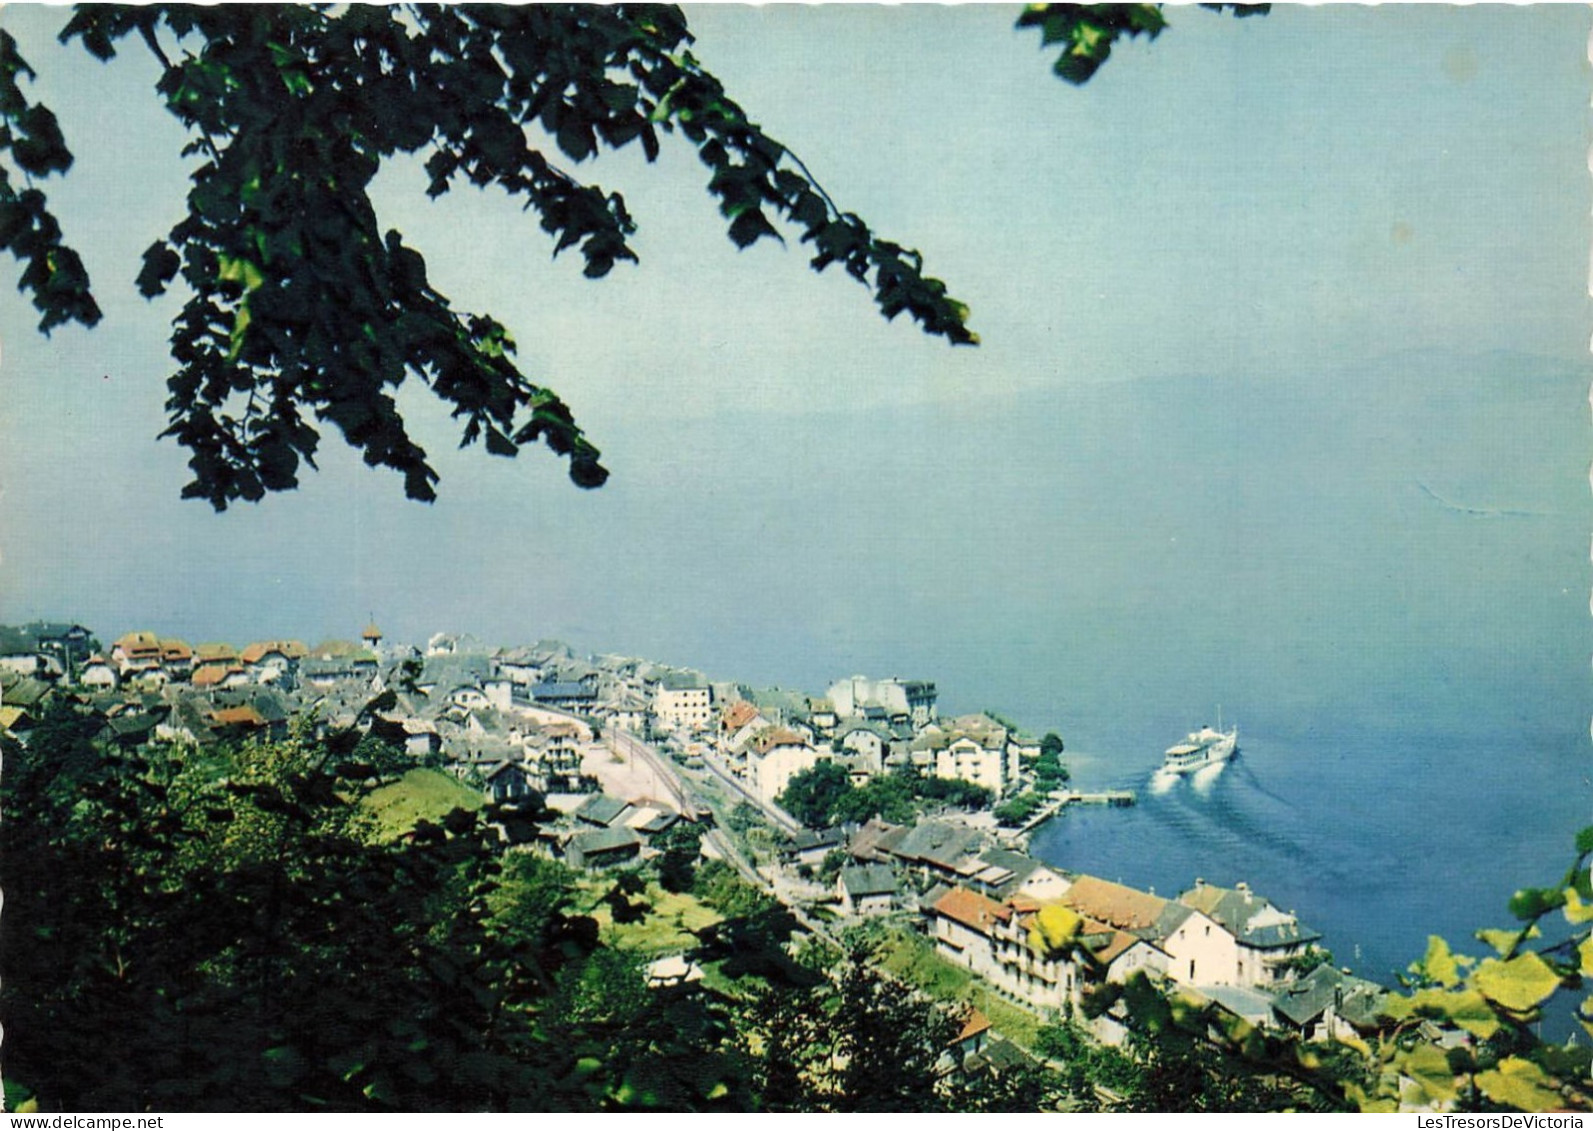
1061	799
1118	798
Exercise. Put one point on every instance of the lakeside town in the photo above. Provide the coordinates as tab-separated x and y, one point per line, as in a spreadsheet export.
604	755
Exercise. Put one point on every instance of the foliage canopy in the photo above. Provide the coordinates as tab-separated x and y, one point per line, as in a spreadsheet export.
302	311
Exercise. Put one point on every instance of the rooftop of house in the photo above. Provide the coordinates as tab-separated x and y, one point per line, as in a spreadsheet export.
738	714
1122	907
238	716
17	642
602	809
936	842
141	641
973	1024
553	689
1242	1001
606	840
863	880
807	840
777	736
977	912
1250	918
260	649
683	681
1305	999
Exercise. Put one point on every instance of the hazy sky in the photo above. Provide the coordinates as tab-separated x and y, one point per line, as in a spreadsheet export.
801	489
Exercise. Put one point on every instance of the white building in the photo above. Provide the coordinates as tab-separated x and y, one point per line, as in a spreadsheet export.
893	699
683	701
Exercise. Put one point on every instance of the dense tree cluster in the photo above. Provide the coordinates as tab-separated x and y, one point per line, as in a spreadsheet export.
235	930
825	796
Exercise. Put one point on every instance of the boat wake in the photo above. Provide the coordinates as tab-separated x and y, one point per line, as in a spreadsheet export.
1204	778
1161	781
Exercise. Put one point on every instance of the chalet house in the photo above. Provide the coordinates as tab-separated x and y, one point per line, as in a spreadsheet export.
419	737
603	811
603	848
1329	1004
21	652
176	659
810	846
1266	939
99	673
554	757
509	782
136	654
273	661
1007	874
972	748
23	690
789	709
129	728
964	758
866	889
211	676
993	939
212	653
934	850
237	722
628	712
324	672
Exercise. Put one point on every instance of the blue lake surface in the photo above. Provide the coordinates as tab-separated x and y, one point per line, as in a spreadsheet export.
1377	838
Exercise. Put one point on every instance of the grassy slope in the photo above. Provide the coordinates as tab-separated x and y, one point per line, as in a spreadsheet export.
667	927
912	958
420	794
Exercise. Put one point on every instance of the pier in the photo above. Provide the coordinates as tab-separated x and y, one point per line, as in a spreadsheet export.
1061	799
1121	798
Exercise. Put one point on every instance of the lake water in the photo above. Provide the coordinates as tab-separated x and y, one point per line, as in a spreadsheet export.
1377	838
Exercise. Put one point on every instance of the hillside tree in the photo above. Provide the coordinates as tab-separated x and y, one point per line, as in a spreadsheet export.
301	311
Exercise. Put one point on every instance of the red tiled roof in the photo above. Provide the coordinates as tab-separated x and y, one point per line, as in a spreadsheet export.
292	649
972	910
739	714
1120	942
769	739
238	716
1122	907
175	650
207	675
138	642
972	1025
